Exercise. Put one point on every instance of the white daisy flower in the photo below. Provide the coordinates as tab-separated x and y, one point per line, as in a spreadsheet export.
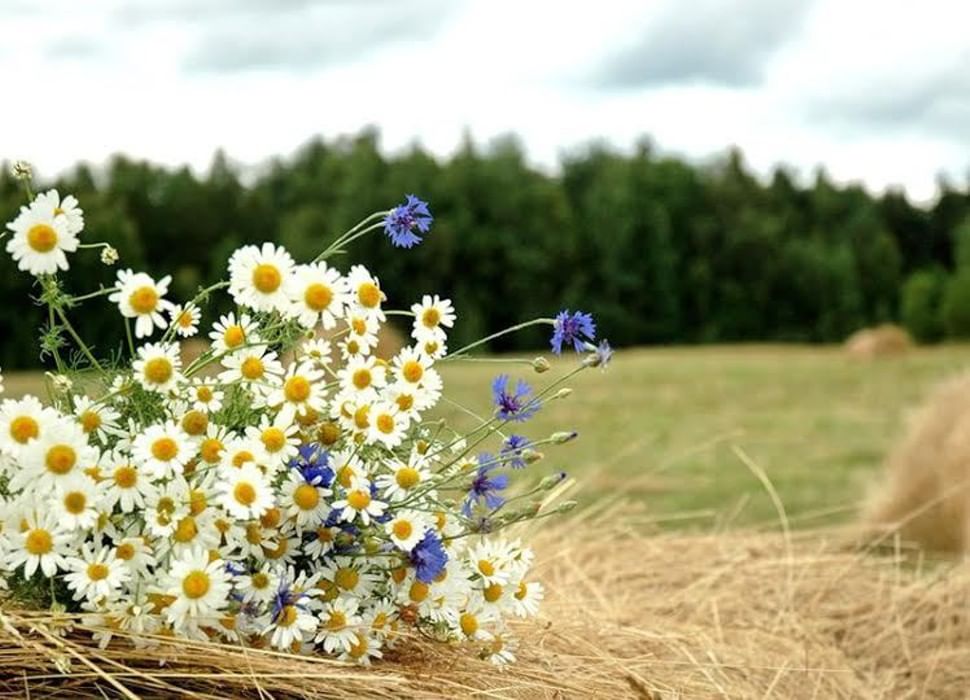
411	366
166	506
500	650
40	241
201	589
192	532
239	451
365	292
244	492
50	204
23	421
259	586
158	367
186	320
228	334
127	487
258	277
206	395
75	502
491	561
363	377
429	317
40	543
407	528
321	543
136	556
338	624
363	329
526	598
98	420
302	392
280	443
140	297
291	625
434	348
305	503
96	574
317	351
388	425
257	368
162	451
63	452
404	478
318	294
358	503
365	647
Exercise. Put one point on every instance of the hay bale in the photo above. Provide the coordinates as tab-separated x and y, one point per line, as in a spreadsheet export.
925	492
887	340
626	615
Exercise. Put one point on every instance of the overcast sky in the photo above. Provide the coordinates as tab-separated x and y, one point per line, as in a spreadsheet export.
874	91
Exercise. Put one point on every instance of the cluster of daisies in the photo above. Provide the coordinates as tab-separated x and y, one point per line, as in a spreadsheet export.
284	488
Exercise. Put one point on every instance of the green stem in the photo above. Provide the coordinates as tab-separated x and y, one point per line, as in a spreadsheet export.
512	329
85	350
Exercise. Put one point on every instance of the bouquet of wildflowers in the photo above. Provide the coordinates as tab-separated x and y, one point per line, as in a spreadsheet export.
285	487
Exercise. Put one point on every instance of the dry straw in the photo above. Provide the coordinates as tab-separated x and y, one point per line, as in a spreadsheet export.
810	615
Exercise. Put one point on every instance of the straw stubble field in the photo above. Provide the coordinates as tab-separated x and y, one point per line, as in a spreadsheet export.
716	555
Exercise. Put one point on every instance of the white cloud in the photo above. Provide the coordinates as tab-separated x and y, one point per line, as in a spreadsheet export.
873	91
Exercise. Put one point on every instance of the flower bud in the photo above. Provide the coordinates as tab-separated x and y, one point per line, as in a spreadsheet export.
109	255
563	393
562	437
540	365
552	480
530	456
566	506
22	170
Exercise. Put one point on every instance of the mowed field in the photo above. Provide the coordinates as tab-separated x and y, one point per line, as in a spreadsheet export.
686	431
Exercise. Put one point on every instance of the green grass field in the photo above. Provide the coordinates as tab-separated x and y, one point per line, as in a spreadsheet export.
669	427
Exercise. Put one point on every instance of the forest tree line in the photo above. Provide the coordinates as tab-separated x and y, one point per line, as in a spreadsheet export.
659	249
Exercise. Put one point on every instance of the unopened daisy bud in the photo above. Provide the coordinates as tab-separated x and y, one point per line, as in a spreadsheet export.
60	382
563	393
344	539
109	255
552	480
562	437
530	456
372	545
22	170
540	365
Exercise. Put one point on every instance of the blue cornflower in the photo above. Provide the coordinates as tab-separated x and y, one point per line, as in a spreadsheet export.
515	406
313	464
286	596
485	486
401	221
572	329
599	355
512	449
428	558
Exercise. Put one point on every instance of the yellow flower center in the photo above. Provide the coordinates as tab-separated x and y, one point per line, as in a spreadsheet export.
234	336
267	278
361	417
419	591
90	421
337	621
431	347
252	368
412	371
42	238
75	502
353	347
271	518
369	295
385	423
126	476
185	319
204	394
211	450
260	580
195	423
359	325
380	619
306	497
359	648
196	584
402	529
98	571
61	459
407	477
165	505
440	520
521	591
492	593
287	616
165	449
404	402
158	370
144	300
24	428
186	530
241	457
253	534
125	551
324	534
38	542
318	296
362	378
431	318
296	389
486	567
358	499
346	578
244	493
469	624
328	433
273	439
197	502
278	551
